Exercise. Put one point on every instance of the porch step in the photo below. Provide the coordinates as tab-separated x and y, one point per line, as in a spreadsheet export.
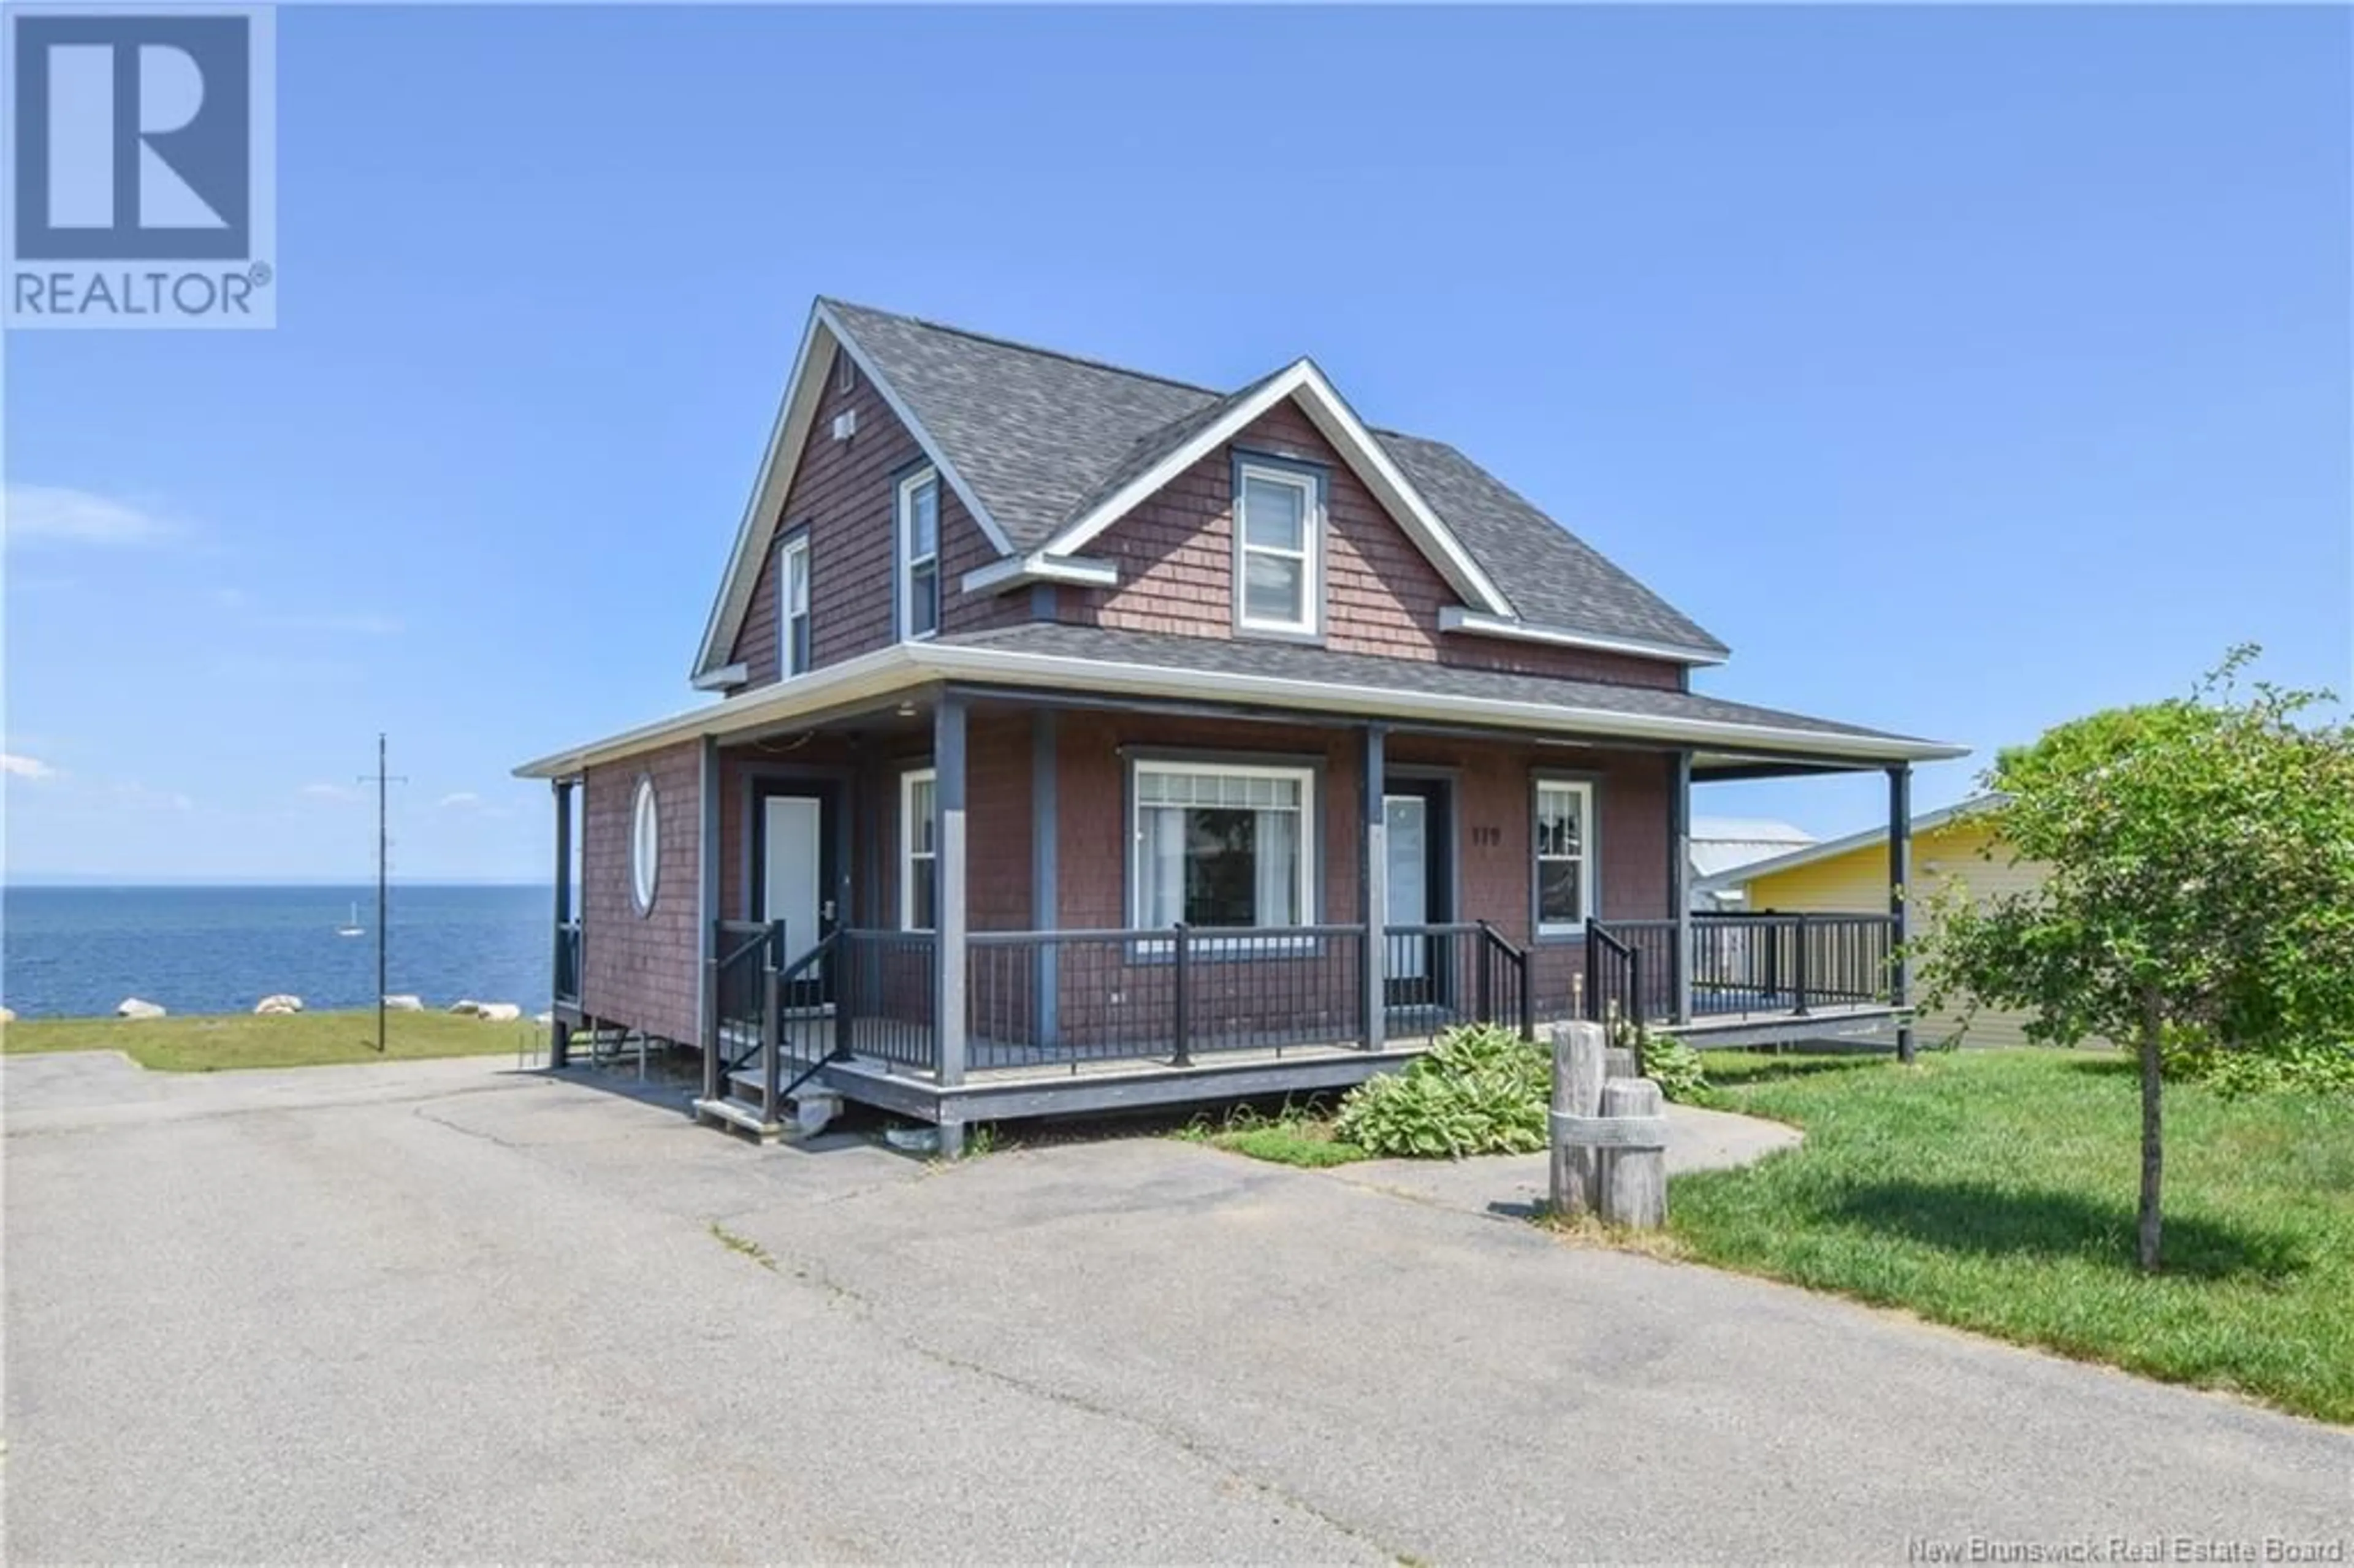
735	1113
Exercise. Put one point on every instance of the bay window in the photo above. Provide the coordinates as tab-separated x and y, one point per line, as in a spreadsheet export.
1221	844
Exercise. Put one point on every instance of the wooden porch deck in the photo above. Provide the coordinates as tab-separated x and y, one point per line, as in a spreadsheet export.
1008	1081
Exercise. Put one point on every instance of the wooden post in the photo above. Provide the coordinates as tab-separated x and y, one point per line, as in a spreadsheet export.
559	1034
947	866
1633	1175
1899	873
1577	1052
1680	888
1374	884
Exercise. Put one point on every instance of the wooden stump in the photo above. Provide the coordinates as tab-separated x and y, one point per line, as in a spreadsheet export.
1578	1062
1634	1177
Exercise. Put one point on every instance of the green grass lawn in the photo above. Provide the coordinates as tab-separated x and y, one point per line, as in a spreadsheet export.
205	1044
1995	1190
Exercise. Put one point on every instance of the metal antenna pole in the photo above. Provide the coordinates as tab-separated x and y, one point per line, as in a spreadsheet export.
382	854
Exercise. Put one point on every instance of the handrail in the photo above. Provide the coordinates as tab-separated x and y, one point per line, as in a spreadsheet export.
1605	951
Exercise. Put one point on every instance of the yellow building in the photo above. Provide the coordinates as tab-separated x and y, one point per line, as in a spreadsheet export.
1850	876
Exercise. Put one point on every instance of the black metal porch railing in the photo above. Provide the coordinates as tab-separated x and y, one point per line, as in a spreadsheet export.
1171	993
567	961
885	993
1438	976
735	996
1772	962
1740	963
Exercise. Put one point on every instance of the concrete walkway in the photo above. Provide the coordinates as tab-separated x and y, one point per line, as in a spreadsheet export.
426	1312
1514	1186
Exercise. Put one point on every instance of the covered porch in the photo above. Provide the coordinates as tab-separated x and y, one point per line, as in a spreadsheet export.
927	900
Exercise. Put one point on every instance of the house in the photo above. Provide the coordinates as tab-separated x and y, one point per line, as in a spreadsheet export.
1719	844
1956	845
1086	738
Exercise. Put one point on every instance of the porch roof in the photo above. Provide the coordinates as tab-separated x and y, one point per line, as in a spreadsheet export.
1088	661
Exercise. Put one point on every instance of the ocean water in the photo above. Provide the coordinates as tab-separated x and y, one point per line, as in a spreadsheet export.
71	951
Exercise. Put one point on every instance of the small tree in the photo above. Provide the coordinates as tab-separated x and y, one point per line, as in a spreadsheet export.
2201	885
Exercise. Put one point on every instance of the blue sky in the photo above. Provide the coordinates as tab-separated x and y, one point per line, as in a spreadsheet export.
1962	369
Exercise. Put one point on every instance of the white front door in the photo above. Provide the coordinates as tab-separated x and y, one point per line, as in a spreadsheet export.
1407	821
790	874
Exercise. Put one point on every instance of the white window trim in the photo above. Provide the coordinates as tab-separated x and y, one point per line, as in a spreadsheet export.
645	870
907	854
901	505
787	666
1311	554
1584	790
1303	897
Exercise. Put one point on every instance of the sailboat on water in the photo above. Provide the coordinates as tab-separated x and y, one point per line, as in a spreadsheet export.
351	927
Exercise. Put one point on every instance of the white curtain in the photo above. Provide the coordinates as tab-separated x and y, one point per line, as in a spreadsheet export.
1278	868
1160	865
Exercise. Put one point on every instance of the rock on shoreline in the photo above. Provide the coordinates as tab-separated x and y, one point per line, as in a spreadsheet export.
271	1006
133	1007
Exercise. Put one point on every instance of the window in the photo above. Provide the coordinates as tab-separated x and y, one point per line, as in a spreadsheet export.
645	844
919	860
793	606
1220	845
845	372
1564	855
919	554
1277	538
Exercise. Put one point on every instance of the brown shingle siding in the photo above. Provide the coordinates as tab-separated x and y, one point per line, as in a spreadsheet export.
639	970
843	492
1176	556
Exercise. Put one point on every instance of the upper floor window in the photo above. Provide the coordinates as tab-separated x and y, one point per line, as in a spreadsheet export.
919	554
793	606
1278	549
1563	841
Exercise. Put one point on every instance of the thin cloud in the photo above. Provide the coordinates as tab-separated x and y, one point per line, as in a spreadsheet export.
459	801
355	625
141	798
29	767
339	794
49	514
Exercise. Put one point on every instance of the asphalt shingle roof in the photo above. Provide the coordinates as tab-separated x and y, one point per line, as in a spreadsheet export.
1042	437
1298	661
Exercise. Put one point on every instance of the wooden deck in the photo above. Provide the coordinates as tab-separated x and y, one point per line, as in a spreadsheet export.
1006	1081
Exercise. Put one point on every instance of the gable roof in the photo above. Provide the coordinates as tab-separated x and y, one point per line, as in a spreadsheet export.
1046	448
1926	821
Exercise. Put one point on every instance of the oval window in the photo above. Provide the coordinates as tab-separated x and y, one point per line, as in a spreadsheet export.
645	845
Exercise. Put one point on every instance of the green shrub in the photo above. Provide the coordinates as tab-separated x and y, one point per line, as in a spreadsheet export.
2191	1056
1675	1066
1479	1090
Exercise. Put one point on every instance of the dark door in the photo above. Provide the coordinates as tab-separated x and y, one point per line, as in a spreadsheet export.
1419	824
795	880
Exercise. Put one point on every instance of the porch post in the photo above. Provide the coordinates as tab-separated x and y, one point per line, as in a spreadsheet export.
706	897
1374	884
560	1033
949	932
1680	957
1900	876
1045	894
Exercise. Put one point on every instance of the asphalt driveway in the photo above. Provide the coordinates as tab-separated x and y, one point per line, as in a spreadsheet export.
442	1310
